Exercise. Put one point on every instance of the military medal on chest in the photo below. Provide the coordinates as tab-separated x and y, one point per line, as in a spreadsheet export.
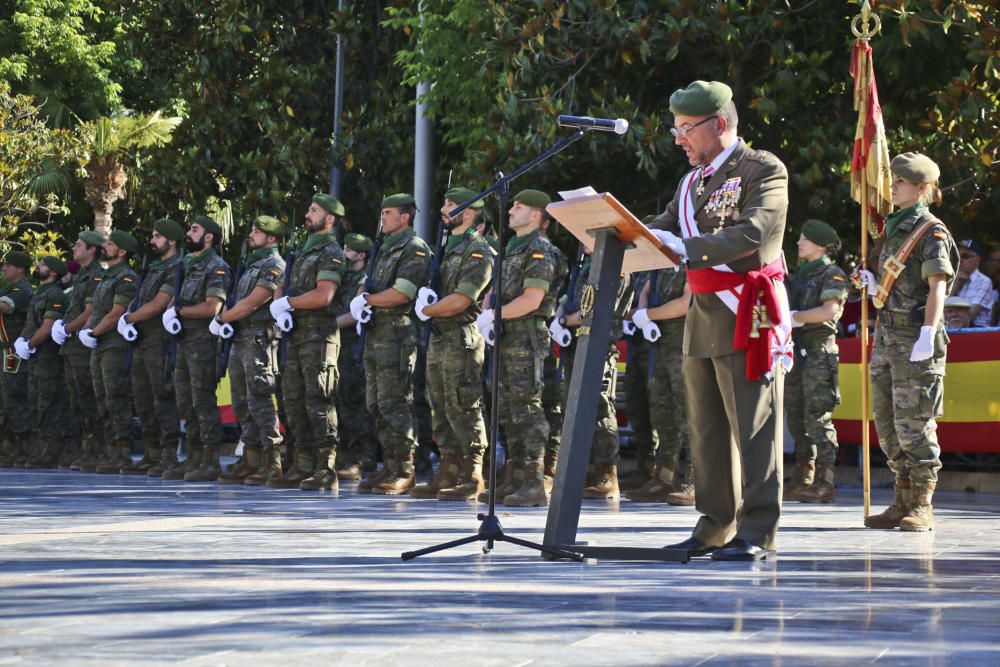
723	201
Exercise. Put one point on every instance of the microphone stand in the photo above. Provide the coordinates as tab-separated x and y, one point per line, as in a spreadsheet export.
490	530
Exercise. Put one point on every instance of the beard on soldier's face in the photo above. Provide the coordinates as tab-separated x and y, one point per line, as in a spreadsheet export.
194	246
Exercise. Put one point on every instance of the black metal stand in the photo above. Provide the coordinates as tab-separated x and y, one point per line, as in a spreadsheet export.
490	530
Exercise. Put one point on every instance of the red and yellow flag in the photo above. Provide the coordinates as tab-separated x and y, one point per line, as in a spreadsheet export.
870	159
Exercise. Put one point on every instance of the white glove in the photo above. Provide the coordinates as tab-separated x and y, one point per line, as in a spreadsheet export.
59	333
23	349
226	330
560	334
213	326
281	311
170	321
865	278
651	332
360	310
485	324
672	241
628	327
640	318
795	323
126	330
923	349
425	297
358	327
87	338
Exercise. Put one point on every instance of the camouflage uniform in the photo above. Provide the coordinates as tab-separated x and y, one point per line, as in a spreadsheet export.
357	436
907	396
14	374
554	371
152	372
115	287
666	388
77	361
391	348
638	373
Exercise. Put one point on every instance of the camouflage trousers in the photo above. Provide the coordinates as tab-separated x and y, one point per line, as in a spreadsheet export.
423	419
309	383
50	411
195	382
812	391
523	348
17	416
907	397
252	368
81	388
112	391
553	370
667	395
604	445
638	375
153	389
390	361
455	390
357	435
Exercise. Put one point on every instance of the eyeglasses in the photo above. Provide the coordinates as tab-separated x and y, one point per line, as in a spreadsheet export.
682	131
967	255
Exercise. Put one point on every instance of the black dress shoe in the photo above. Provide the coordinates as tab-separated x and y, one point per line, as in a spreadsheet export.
693	546
738	549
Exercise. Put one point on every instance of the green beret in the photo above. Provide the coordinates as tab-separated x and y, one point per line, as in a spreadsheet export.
269	225
125	241
17	258
168	228
91	238
700	98
208	225
329	203
459	195
56	265
820	233
398	200
358	242
915	168
533	198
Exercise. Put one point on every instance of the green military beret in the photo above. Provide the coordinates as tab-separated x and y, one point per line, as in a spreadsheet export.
56	265
208	225
358	242
820	233
17	258
330	204
168	228
91	238
700	98
398	200
533	198
125	241
270	225
459	195
915	168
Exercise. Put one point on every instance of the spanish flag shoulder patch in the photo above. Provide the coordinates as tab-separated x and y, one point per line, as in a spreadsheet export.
476	255
126	279
938	234
220	272
538	255
839	279
421	253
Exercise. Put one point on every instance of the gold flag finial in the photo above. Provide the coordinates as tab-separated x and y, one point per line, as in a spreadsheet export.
866	24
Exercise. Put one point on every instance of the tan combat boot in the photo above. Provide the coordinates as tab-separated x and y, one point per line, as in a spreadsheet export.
446	477
895	512
208	469
248	465
368	483
822	490
684	495
303	465
87	445
191	462
99	455
150	457
551	461
7	451
805	475
117	459
70	453
168	461
604	484
470	484
29	449
270	467
48	457
324	477
402	478
350	471
644	473
657	489
920	516
532	491
513	478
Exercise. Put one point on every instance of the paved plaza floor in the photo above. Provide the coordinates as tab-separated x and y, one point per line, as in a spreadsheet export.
106	570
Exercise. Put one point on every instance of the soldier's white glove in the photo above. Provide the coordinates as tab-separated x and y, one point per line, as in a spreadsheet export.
560	334
358	327
425	297
87	338
650	329
628	326
865	278
281	312
672	241
23	349
923	349
226	330
59	333
213	326
171	322
795	323
126	330
360	310
486	325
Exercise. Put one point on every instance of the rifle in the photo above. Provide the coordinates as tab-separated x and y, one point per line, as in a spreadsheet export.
286	290
227	343
168	368
570	306
127	361
359	350
432	279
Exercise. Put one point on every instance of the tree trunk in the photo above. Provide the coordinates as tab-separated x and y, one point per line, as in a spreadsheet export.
103	186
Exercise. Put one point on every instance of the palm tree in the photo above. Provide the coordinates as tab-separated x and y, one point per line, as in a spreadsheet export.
111	146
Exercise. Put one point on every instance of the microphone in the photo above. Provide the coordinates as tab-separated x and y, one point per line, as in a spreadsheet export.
616	125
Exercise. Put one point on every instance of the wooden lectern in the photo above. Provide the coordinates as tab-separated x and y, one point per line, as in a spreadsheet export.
621	244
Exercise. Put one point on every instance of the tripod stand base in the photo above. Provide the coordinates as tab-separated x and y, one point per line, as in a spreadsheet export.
491	531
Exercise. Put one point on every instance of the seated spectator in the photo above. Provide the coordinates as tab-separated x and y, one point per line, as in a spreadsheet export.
957	313
991	268
972	285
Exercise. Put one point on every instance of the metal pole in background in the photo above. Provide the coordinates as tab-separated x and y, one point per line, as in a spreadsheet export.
423	165
336	174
